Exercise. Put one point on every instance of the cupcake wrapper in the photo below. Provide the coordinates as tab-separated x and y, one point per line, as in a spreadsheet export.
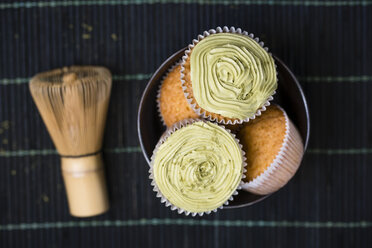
202	113
159	90
162	139
284	166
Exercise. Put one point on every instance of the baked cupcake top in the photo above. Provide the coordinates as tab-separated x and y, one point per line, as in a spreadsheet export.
231	75
262	139
198	167
173	105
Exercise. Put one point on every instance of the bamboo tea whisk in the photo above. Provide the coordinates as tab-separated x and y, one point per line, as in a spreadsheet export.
73	103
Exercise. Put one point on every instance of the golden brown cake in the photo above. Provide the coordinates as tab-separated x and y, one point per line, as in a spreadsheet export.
274	151
172	102
262	139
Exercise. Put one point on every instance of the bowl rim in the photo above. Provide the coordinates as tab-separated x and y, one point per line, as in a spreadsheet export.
179	53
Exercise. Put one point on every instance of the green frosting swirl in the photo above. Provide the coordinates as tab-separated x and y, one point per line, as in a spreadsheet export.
231	75
198	167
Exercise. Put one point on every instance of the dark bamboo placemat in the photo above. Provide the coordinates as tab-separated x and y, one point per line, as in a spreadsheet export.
326	44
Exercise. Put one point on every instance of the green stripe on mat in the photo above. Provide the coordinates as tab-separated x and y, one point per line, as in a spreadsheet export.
134	149
350	79
7	81
140	76
143	76
40	4
23	153
341	151
44	152
128	149
185	222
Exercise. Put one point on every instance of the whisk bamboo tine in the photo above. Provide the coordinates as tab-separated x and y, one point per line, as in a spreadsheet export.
73	103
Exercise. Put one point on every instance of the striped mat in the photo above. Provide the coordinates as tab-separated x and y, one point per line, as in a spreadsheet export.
325	43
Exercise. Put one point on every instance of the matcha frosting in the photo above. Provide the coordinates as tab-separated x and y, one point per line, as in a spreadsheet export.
198	167
231	75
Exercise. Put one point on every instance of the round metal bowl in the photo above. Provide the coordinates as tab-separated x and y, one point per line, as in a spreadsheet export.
289	95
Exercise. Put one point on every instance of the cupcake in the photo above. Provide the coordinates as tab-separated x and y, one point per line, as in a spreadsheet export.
228	76
172	103
273	150
197	167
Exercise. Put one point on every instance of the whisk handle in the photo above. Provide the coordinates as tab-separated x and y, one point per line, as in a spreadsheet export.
85	184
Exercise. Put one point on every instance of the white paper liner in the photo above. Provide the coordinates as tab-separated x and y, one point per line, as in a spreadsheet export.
284	166
202	113
159	90
162	139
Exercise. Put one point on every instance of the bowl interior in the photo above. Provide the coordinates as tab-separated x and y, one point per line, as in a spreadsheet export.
289	95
